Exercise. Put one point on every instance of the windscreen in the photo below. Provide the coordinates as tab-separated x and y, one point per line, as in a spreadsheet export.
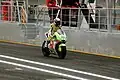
60	31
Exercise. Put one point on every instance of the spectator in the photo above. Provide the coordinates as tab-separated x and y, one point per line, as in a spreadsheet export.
70	2
65	12
52	9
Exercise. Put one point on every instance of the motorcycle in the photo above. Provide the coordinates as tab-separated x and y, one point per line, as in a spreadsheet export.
56	46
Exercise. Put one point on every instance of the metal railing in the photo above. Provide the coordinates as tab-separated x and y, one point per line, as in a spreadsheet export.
40	13
12	14
102	20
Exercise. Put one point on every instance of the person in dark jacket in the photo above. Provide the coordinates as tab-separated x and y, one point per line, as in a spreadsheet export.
52	9
67	4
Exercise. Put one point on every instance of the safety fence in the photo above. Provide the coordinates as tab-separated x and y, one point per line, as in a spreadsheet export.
102	19
98	18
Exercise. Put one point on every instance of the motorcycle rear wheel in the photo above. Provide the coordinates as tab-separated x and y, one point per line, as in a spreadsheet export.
45	50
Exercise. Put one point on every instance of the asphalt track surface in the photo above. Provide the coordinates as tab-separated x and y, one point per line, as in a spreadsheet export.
21	62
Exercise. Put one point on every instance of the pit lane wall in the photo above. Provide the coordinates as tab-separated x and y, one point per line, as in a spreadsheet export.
11	31
92	41
83	40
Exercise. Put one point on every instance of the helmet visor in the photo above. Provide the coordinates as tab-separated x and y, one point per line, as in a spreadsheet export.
58	23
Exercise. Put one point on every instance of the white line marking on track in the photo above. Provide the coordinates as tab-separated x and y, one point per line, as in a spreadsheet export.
56	79
43	70
58	67
14	69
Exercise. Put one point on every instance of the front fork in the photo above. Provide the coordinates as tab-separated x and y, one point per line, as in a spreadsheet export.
62	44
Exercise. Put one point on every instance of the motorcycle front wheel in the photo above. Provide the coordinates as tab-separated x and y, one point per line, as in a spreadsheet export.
62	51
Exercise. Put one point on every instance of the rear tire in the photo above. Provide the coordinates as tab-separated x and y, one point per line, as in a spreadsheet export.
62	53
45	50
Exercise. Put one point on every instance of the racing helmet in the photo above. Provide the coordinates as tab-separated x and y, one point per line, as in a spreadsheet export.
57	21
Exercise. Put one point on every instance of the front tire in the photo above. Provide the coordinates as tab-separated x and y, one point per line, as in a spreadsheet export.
62	53
45	50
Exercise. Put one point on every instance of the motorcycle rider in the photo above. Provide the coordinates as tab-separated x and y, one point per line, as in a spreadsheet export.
54	27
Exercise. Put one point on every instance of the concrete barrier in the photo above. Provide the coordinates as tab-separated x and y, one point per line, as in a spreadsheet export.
11	31
89	41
